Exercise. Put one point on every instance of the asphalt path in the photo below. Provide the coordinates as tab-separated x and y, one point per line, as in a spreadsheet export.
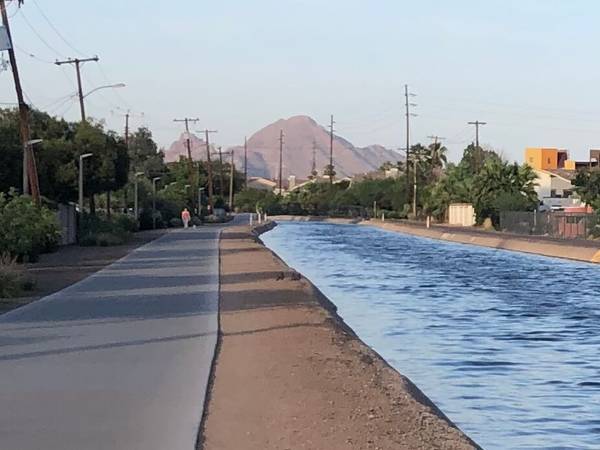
120	360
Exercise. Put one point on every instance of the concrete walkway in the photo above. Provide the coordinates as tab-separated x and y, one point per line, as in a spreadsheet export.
119	360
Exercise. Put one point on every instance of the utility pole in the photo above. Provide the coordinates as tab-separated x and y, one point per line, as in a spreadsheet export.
210	174
477	155
231	175
408	104
127	130
280	161
78	63
313	167
331	130
221	182
30	178
477	124
187	121
435	141
245	162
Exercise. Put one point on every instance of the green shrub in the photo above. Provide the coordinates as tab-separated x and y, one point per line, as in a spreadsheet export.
94	230
104	239
175	222
27	229
13	280
127	223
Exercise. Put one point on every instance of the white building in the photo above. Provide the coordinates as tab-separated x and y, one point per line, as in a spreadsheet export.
554	188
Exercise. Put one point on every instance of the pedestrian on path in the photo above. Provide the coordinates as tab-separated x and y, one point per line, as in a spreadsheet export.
185	217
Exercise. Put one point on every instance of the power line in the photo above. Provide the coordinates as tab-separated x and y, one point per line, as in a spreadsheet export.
32	28
58	33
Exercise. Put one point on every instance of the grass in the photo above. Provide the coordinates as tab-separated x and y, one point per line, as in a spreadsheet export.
13	278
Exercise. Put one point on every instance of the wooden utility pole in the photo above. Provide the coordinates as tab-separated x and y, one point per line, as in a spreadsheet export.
313	167
478	155
245	162
477	124
231	175
127	130
210	174
331	130
188	141
221	182
78	63
280	162
30	178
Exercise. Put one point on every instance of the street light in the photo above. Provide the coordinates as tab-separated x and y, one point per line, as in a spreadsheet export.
108	86
81	158
135	195
154	180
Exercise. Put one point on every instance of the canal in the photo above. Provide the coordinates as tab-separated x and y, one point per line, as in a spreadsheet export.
506	344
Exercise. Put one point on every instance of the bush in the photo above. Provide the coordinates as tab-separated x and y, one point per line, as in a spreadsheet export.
109	239
13	280
27	229
175	222
94	230
127	223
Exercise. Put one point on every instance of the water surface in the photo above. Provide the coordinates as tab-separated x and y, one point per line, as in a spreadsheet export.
506	344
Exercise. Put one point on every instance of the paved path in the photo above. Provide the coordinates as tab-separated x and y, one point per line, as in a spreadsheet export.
119	360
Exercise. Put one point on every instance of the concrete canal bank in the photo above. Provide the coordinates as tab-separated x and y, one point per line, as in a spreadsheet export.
577	250
586	251
289	373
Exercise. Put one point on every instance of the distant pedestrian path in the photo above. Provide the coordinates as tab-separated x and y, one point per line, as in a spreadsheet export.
119	360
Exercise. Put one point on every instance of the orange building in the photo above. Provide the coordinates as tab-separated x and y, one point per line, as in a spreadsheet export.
541	158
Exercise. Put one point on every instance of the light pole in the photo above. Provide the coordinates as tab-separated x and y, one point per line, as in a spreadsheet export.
154	180
81	158
108	86
135	195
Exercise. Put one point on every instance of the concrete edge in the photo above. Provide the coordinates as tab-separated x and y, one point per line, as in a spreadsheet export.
199	444
530	245
337	321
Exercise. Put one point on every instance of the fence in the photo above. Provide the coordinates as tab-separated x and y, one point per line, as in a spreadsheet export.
67	219
563	225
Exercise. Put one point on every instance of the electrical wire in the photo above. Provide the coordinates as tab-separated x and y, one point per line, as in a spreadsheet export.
33	56
58	33
32	28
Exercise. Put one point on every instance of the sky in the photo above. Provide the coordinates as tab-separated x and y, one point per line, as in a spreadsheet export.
529	68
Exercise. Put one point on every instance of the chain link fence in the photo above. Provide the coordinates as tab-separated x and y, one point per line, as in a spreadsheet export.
556	224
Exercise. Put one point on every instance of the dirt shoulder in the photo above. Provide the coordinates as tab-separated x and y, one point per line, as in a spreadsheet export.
577	250
69	264
289	374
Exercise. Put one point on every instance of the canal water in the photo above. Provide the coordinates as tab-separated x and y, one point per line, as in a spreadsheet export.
506	344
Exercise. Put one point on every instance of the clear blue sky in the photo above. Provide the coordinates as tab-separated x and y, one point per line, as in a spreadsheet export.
529	68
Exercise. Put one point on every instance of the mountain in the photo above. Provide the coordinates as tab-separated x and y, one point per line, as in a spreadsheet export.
301	135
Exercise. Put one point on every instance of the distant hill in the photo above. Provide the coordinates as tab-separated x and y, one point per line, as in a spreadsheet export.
301	134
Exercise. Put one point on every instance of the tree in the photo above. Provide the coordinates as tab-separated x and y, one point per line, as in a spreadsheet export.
108	168
587	185
454	186
474	158
499	181
145	155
